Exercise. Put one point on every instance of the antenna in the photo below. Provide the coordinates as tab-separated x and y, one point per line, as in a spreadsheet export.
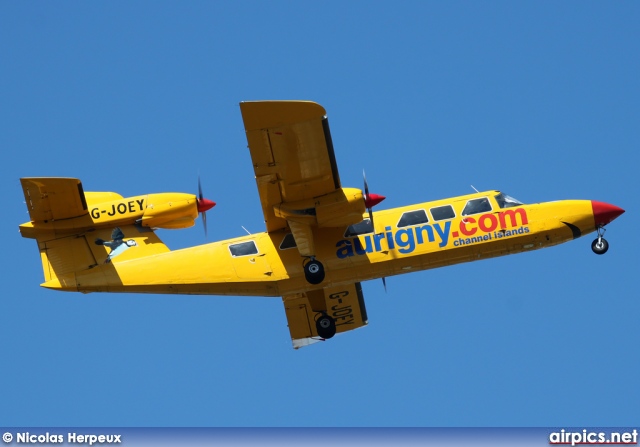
245	230
474	188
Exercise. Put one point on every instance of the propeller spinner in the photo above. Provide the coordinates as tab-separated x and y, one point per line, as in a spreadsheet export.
203	206
370	200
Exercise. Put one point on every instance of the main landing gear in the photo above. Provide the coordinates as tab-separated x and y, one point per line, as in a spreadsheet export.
600	245
314	271
326	326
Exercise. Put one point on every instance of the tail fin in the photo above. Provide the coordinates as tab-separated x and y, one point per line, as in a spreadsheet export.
66	252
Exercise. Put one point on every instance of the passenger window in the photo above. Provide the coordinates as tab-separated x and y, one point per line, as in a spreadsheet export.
476	206
363	227
413	218
288	242
243	249
442	212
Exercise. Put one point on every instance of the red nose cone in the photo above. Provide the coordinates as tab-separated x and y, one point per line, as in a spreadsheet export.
205	205
373	199
603	213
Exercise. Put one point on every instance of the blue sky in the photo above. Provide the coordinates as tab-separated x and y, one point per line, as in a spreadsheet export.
538	99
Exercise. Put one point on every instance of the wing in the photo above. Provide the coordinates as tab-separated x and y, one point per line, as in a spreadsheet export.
292	153
53	198
75	253
345	304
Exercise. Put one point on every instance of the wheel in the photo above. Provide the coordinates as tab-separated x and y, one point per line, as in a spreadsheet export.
600	246
326	326
314	272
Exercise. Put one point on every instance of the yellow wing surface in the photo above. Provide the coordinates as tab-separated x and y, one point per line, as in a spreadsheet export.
299	187
67	251
51	199
345	304
292	153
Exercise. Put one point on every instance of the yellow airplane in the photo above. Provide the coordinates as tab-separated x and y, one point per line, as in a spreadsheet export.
322	240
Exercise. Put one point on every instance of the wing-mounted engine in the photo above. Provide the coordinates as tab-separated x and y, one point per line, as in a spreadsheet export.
169	211
340	208
175	210
61	207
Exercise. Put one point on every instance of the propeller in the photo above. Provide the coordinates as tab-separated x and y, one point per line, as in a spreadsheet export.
203	206
371	200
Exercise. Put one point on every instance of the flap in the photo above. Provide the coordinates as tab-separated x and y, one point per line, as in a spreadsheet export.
303	235
345	304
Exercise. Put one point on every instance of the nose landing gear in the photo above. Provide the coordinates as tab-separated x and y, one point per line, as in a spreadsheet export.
600	245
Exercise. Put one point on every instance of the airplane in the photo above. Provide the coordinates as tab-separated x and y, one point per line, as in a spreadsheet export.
321	242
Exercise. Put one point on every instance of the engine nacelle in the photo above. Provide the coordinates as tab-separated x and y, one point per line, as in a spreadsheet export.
164	210
170	211
340	208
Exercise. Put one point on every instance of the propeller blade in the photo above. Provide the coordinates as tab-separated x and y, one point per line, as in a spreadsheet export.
384	283
366	186
204	223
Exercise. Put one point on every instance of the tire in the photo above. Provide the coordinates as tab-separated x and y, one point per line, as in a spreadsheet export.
326	326
600	247
314	272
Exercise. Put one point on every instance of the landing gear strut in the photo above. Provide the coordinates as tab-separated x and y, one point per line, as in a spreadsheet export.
600	245
326	326
314	272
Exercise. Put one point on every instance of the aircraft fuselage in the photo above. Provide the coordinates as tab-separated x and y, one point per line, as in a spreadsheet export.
261	265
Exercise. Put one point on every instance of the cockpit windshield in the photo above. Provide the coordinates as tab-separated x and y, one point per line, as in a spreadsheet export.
505	201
